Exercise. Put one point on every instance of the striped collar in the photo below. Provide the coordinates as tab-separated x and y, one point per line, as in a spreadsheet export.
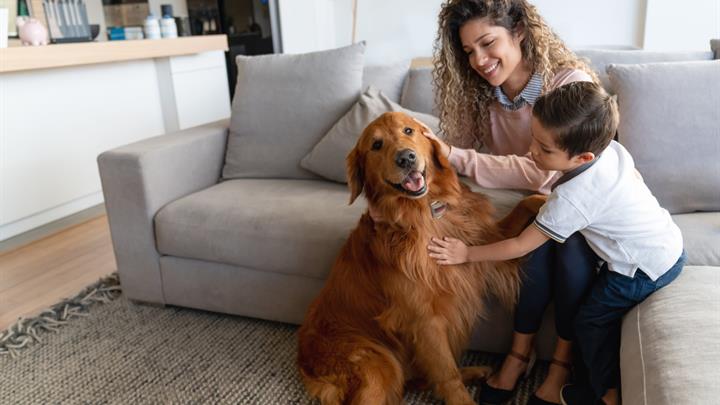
573	173
527	96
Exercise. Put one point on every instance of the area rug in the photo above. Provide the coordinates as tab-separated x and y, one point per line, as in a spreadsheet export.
99	348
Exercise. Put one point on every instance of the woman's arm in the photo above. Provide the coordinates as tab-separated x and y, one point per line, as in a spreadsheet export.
509	171
453	251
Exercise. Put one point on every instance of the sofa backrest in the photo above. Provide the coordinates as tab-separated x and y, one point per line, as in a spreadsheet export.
418	94
599	59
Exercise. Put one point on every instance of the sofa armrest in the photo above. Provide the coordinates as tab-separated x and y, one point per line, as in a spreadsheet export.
140	178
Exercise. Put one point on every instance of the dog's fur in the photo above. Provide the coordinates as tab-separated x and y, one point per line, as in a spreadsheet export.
388	313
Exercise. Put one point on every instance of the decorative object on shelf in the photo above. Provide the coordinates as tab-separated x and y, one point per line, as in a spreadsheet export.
152	27
11	11
3	28
67	21
31	31
168	29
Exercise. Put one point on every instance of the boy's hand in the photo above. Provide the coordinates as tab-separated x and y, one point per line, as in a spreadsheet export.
448	251
444	148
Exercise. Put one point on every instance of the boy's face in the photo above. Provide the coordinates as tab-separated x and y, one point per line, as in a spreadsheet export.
546	153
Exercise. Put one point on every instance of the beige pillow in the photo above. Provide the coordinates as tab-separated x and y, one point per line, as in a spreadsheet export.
327	158
284	104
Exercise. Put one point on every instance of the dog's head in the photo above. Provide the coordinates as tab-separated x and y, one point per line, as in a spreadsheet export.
393	158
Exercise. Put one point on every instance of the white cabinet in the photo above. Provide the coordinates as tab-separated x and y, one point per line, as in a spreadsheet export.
54	123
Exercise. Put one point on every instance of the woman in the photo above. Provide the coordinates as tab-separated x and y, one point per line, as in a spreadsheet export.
493	58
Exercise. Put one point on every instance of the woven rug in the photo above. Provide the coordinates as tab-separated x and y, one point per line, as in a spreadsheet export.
99	348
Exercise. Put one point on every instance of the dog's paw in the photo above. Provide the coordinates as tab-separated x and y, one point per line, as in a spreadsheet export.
475	373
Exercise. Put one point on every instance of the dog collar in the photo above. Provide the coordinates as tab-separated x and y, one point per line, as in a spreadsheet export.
438	209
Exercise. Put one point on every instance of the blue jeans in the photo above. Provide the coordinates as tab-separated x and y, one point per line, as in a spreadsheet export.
559	272
598	322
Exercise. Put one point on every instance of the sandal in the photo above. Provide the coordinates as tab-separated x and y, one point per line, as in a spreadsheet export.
535	400
495	396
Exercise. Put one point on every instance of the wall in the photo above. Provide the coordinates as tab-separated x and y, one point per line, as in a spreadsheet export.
671	27
401	29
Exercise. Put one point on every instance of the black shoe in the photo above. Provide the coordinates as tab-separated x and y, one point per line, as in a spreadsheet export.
494	396
577	394
497	396
534	400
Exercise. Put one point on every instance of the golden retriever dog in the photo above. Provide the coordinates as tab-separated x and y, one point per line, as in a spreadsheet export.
388	314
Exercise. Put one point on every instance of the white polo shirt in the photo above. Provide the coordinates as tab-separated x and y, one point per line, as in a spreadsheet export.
616	213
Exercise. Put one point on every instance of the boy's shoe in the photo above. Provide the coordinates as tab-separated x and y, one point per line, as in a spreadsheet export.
577	394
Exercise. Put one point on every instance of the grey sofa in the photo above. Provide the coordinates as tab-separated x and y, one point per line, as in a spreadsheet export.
263	247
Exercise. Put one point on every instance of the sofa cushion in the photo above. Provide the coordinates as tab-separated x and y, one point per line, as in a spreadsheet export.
284	104
286	226
387	78
701	237
670	348
418	94
671	126
601	58
327	158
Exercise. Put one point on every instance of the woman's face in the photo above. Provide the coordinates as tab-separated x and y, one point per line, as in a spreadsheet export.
493	52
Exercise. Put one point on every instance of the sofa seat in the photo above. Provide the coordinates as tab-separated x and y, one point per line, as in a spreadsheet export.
294	227
670	351
701	236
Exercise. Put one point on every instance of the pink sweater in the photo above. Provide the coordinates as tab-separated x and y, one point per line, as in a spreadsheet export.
509	165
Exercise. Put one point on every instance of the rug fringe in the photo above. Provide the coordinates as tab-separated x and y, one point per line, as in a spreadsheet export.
27	331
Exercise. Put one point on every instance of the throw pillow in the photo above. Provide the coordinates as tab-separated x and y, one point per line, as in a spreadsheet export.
670	123
418	93
283	105
328	157
387	78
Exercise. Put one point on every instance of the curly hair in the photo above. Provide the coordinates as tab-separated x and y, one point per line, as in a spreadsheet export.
463	96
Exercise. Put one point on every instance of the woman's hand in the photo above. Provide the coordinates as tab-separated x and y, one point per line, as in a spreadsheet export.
448	251
444	148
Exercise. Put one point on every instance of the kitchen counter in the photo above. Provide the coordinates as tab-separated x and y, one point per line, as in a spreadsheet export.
23	58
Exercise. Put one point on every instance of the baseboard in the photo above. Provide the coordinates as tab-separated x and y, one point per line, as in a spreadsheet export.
50	228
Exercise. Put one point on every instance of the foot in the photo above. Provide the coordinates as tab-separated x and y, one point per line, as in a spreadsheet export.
514	365
558	375
502	390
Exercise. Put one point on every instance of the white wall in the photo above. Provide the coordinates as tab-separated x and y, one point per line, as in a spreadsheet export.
401	29
680	26
307	25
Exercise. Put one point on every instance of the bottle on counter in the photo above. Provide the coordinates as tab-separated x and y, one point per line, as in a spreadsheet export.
168	28
152	27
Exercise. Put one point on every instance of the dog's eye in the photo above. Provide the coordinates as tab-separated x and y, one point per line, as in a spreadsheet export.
408	131
377	145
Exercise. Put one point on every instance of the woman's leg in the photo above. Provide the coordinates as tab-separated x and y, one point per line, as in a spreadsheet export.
575	264
535	295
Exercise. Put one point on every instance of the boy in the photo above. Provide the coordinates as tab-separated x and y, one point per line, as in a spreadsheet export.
601	195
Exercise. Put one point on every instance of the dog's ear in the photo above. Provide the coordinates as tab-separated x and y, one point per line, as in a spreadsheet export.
355	173
441	162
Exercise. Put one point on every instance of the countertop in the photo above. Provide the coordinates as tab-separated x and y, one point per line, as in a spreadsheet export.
24	58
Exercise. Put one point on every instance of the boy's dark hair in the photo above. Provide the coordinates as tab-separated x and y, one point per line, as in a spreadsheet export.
582	115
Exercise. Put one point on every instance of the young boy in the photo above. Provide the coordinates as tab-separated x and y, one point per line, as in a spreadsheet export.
601	195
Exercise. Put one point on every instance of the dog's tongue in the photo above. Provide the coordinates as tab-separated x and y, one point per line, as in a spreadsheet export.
414	181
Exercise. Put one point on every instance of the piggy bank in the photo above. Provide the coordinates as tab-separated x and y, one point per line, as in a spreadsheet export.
31	31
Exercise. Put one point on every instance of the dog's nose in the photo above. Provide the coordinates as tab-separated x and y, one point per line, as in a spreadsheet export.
405	158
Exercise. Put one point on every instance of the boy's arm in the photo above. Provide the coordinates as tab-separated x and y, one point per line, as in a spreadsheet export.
453	251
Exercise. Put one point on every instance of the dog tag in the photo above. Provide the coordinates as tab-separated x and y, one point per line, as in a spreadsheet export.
437	209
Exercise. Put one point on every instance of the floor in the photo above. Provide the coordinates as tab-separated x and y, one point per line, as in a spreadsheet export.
39	274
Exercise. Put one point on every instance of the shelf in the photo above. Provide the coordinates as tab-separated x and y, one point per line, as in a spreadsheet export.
24	58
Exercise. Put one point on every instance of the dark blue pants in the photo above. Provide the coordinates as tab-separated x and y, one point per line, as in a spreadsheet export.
599	319
560	272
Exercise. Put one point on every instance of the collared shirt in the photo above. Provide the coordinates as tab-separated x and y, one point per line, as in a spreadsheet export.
617	214
528	95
